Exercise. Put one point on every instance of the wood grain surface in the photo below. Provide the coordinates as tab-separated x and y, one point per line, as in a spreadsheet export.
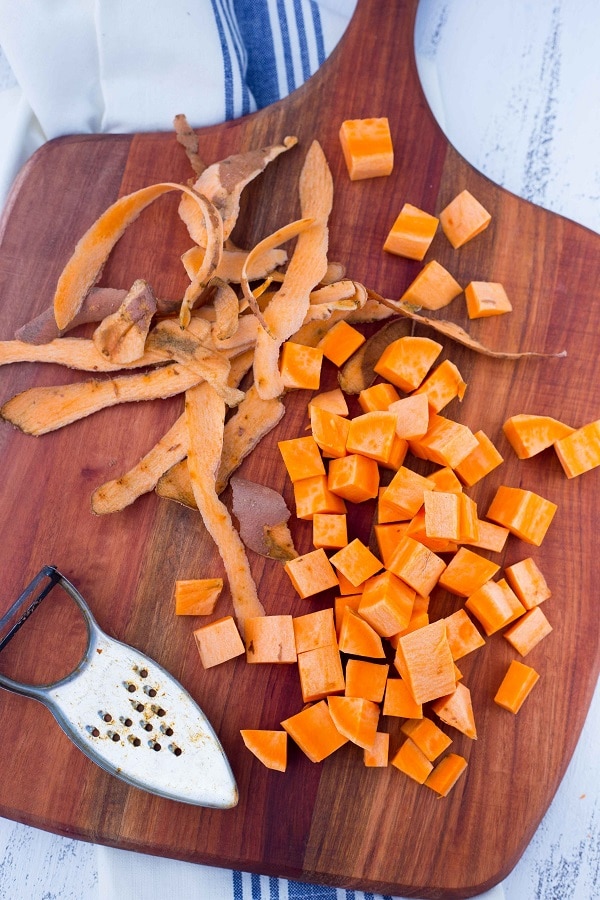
336	822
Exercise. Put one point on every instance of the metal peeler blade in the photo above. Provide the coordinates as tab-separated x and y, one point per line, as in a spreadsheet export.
127	713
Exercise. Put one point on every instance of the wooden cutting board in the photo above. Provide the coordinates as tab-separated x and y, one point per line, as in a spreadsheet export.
337	822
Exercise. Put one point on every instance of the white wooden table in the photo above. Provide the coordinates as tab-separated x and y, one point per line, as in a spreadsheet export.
516	88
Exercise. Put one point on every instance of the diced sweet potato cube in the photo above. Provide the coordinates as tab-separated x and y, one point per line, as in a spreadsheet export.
355	718
301	457
387	511
339	606
528	631
270	747
314	732
428	736
340	342
433	288
489	536
416	530
444	479
356	562
367	147
424	661
406	361
366	679
516	686
456	710
372	434
464	218
417	565
218	642
442	385
397	454
300	366
486	298
462	634
446	443
320	672
466	572
528	435
311	573
330	530
469	522
494	605
446	773
354	477
346	587
412	233
480	461
399	701
442	515
197	596
377	756
412	416
329	430
378	396
358	638
528	583
387	603
580	452
270	639
387	536
315	629
312	495
523	512
332	401
406	491
412	761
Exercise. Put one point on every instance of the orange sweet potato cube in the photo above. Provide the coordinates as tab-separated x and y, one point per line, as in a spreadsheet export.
406	361
377	756
433	288
489	536
315	629
320	672
424	660
358	638
406	491
218	642
412	233
442	385
197	596
523	512
329	430
377	396
494	605
300	366
462	634
311	573
366	679
301	457
367	147
446	443
354	477
482	460
446	773
515	687
356	718
340	604
372	434
428	736
464	218
412	416
332	401
417	565
456	710
312	495
270	747
388	512
270	639
466	572
399	701
330	530
312	729
486	298
412	761
397	454
528	434
356	562
442	515
340	342
528	582
444	479
386	603
387	536
580	452
416	530
528	631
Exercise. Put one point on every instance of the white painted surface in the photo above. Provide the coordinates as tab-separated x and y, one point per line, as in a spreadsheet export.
516	87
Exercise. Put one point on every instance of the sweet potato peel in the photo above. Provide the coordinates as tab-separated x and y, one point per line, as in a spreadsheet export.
205	417
121	337
93	248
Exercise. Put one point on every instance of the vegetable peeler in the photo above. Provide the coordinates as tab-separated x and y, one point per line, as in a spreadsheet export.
126	712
